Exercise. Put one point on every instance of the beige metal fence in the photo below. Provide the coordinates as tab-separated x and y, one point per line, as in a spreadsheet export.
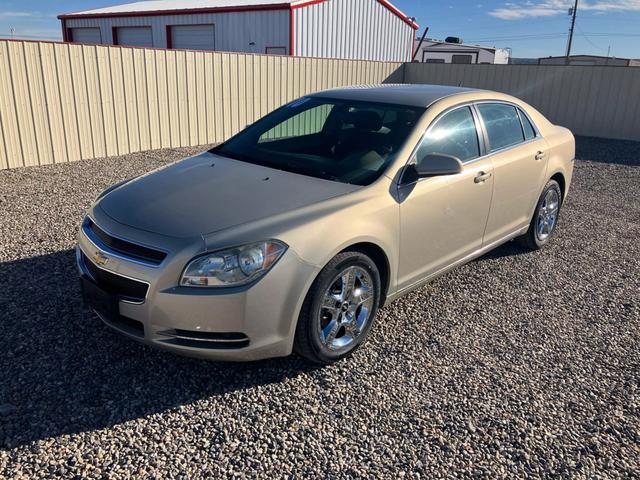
62	102
590	100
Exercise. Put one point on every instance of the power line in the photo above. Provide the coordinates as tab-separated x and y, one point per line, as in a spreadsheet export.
612	34
519	37
589	40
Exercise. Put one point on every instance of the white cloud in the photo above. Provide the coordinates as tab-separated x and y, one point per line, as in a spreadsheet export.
548	8
15	14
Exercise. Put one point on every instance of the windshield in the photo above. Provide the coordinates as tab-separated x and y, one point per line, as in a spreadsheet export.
340	140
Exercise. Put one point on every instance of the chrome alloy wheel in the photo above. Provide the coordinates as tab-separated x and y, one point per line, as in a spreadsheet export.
548	215
346	308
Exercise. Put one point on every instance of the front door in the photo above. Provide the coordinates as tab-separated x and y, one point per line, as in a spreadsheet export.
442	219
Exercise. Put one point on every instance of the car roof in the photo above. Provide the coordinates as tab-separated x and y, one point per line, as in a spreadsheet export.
400	94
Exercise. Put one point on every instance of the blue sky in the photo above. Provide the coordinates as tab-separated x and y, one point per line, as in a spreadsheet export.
532	28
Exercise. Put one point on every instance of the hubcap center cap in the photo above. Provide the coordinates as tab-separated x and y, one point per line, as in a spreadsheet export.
345	306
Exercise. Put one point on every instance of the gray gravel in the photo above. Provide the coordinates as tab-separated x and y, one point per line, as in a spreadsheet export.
516	364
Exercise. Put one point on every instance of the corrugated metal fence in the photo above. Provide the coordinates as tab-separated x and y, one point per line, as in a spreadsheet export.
64	102
589	100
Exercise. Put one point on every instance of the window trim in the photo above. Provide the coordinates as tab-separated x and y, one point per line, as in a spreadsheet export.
518	110
521	113
431	126
483	138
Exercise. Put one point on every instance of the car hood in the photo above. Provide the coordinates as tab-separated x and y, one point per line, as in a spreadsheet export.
208	193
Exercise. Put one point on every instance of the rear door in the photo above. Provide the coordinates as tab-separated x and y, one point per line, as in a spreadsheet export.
442	219
519	155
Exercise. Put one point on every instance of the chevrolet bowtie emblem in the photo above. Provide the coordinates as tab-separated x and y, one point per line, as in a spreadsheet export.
100	259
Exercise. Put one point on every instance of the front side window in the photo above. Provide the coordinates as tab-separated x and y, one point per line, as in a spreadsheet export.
454	134
502	123
340	140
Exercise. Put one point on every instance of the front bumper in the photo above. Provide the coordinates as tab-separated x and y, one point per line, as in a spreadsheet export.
237	324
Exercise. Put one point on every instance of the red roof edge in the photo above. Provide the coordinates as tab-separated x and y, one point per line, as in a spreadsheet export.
399	13
249	8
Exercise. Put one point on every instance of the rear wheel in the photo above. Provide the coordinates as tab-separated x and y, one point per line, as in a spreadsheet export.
339	310
545	218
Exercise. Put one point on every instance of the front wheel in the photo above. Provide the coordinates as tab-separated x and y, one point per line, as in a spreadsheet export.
339	310
545	218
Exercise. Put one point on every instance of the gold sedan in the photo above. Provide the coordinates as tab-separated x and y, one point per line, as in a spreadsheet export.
291	234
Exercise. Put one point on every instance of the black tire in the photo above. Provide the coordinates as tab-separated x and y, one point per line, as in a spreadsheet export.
532	240
307	341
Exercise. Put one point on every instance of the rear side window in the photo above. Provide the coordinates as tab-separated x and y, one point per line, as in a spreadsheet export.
529	131
503	125
454	134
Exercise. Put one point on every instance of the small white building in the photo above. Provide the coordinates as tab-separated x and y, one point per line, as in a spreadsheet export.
590	60
438	51
351	29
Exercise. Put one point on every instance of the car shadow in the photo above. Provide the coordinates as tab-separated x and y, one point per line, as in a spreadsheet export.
509	249
621	152
63	371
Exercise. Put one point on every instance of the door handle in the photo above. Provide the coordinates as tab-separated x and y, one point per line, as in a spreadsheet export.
540	155
482	177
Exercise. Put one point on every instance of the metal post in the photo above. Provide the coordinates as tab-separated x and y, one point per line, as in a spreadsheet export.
573	24
415	52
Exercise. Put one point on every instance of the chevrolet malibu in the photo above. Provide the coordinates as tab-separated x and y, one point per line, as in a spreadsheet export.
290	235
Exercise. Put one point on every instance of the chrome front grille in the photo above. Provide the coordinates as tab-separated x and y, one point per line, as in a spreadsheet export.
124	288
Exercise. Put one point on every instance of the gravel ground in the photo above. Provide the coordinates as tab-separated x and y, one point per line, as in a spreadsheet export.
516	364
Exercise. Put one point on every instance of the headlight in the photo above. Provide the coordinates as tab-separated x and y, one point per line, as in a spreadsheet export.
233	267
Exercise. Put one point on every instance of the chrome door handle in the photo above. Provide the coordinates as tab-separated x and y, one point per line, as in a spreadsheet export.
540	155
482	177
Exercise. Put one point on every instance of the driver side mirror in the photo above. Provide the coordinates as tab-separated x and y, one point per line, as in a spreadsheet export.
436	164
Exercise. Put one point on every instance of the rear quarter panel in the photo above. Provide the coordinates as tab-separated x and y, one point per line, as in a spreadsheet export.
561	145
562	153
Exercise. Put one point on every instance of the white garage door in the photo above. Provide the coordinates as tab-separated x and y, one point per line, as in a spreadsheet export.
134	36
86	35
193	37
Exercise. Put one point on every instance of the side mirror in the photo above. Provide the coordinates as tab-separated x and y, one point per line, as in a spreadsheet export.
436	164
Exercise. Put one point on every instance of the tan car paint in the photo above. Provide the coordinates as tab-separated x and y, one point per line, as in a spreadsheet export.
423	230
461	192
442	220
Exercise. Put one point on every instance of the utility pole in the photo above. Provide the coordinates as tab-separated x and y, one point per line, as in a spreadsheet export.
573	12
